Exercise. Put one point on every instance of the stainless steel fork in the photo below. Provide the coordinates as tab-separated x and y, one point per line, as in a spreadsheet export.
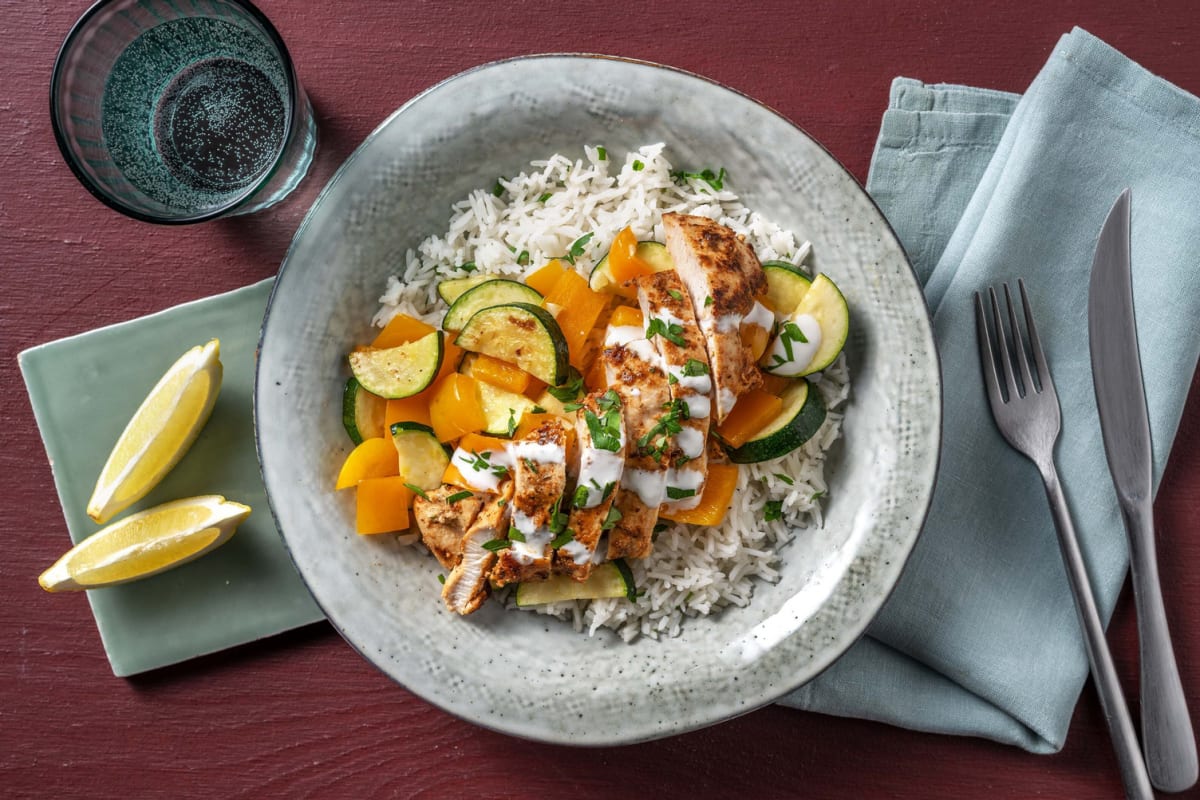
1025	407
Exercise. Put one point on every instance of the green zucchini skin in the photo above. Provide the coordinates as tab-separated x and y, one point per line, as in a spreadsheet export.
451	289
800	419
540	349
402	371
362	412
484	295
422	457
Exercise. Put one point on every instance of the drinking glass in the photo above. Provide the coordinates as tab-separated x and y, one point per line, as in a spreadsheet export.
178	111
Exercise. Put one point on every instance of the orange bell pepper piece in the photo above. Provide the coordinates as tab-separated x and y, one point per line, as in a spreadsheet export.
623	261
580	308
544	279
407	409
381	505
455	407
596	378
500	374
755	340
751	414
401	330
715	500
623	316
374	458
775	384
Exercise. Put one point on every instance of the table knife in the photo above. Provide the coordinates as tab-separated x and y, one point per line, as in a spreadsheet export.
1167	736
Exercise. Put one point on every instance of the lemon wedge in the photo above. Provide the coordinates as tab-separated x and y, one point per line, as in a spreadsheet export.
161	431
146	543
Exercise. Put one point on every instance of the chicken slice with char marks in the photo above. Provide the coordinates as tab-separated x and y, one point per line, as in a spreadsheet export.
723	277
680	345
634	371
540	479
600	431
467	585
443	525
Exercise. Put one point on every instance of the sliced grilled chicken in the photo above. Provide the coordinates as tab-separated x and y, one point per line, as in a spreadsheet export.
443	524
540	478
634	371
600	431
467	585
723	276
668	311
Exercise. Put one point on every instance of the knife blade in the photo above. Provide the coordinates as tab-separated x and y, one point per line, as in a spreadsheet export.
1167	736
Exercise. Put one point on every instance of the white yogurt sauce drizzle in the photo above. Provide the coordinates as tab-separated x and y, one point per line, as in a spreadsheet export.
599	468
479	477
649	485
802	352
686	479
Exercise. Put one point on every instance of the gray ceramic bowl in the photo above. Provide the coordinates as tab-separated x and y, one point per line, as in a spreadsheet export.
525	674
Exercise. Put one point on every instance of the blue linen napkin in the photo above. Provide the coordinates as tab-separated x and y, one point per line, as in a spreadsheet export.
980	637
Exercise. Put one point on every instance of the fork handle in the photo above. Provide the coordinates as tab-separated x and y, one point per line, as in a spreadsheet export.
1166	726
1104	674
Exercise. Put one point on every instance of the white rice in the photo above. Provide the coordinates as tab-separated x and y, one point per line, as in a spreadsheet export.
692	571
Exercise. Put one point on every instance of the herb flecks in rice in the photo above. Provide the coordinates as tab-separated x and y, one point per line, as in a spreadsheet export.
539	214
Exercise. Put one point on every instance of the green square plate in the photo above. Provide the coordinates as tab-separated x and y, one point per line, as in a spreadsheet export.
84	389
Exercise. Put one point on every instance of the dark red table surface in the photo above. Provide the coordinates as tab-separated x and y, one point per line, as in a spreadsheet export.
301	714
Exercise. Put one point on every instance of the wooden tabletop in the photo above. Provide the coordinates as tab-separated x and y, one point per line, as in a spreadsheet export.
301	715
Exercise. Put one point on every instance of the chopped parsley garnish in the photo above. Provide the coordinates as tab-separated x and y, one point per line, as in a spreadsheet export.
773	510
523	258
601	154
468	266
714	179
496	545
816	496
638	166
498	189
530	464
558	520
569	390
581	496
708	301
786	479
656	440
463	495
545	196
611	519
672	332
790	332
501	503
678	493
605	427
512	422
514	534
675	293
480	463
577	248
537	410
441	578
671	379
416	490
563	538
571	407
608	490
694	368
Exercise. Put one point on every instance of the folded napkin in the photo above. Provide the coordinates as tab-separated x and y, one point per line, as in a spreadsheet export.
980	636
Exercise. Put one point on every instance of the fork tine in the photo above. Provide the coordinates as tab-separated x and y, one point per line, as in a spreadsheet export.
1018	345
1002	346
1035	342
987	358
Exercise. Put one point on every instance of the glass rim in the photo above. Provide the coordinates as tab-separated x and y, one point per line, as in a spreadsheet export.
96	191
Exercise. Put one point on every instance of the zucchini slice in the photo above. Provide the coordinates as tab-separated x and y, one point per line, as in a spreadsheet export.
502	409
786	286
401	371
452	288
802	415
489	293
824	302
422	457
655	254
519	333
362	412
610	579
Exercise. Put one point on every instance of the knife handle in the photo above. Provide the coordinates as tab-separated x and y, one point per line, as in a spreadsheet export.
1167	734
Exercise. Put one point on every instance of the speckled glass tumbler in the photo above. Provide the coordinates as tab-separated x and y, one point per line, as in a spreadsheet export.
181	111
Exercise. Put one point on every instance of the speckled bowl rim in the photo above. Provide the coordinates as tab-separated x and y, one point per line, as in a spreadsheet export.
699	720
